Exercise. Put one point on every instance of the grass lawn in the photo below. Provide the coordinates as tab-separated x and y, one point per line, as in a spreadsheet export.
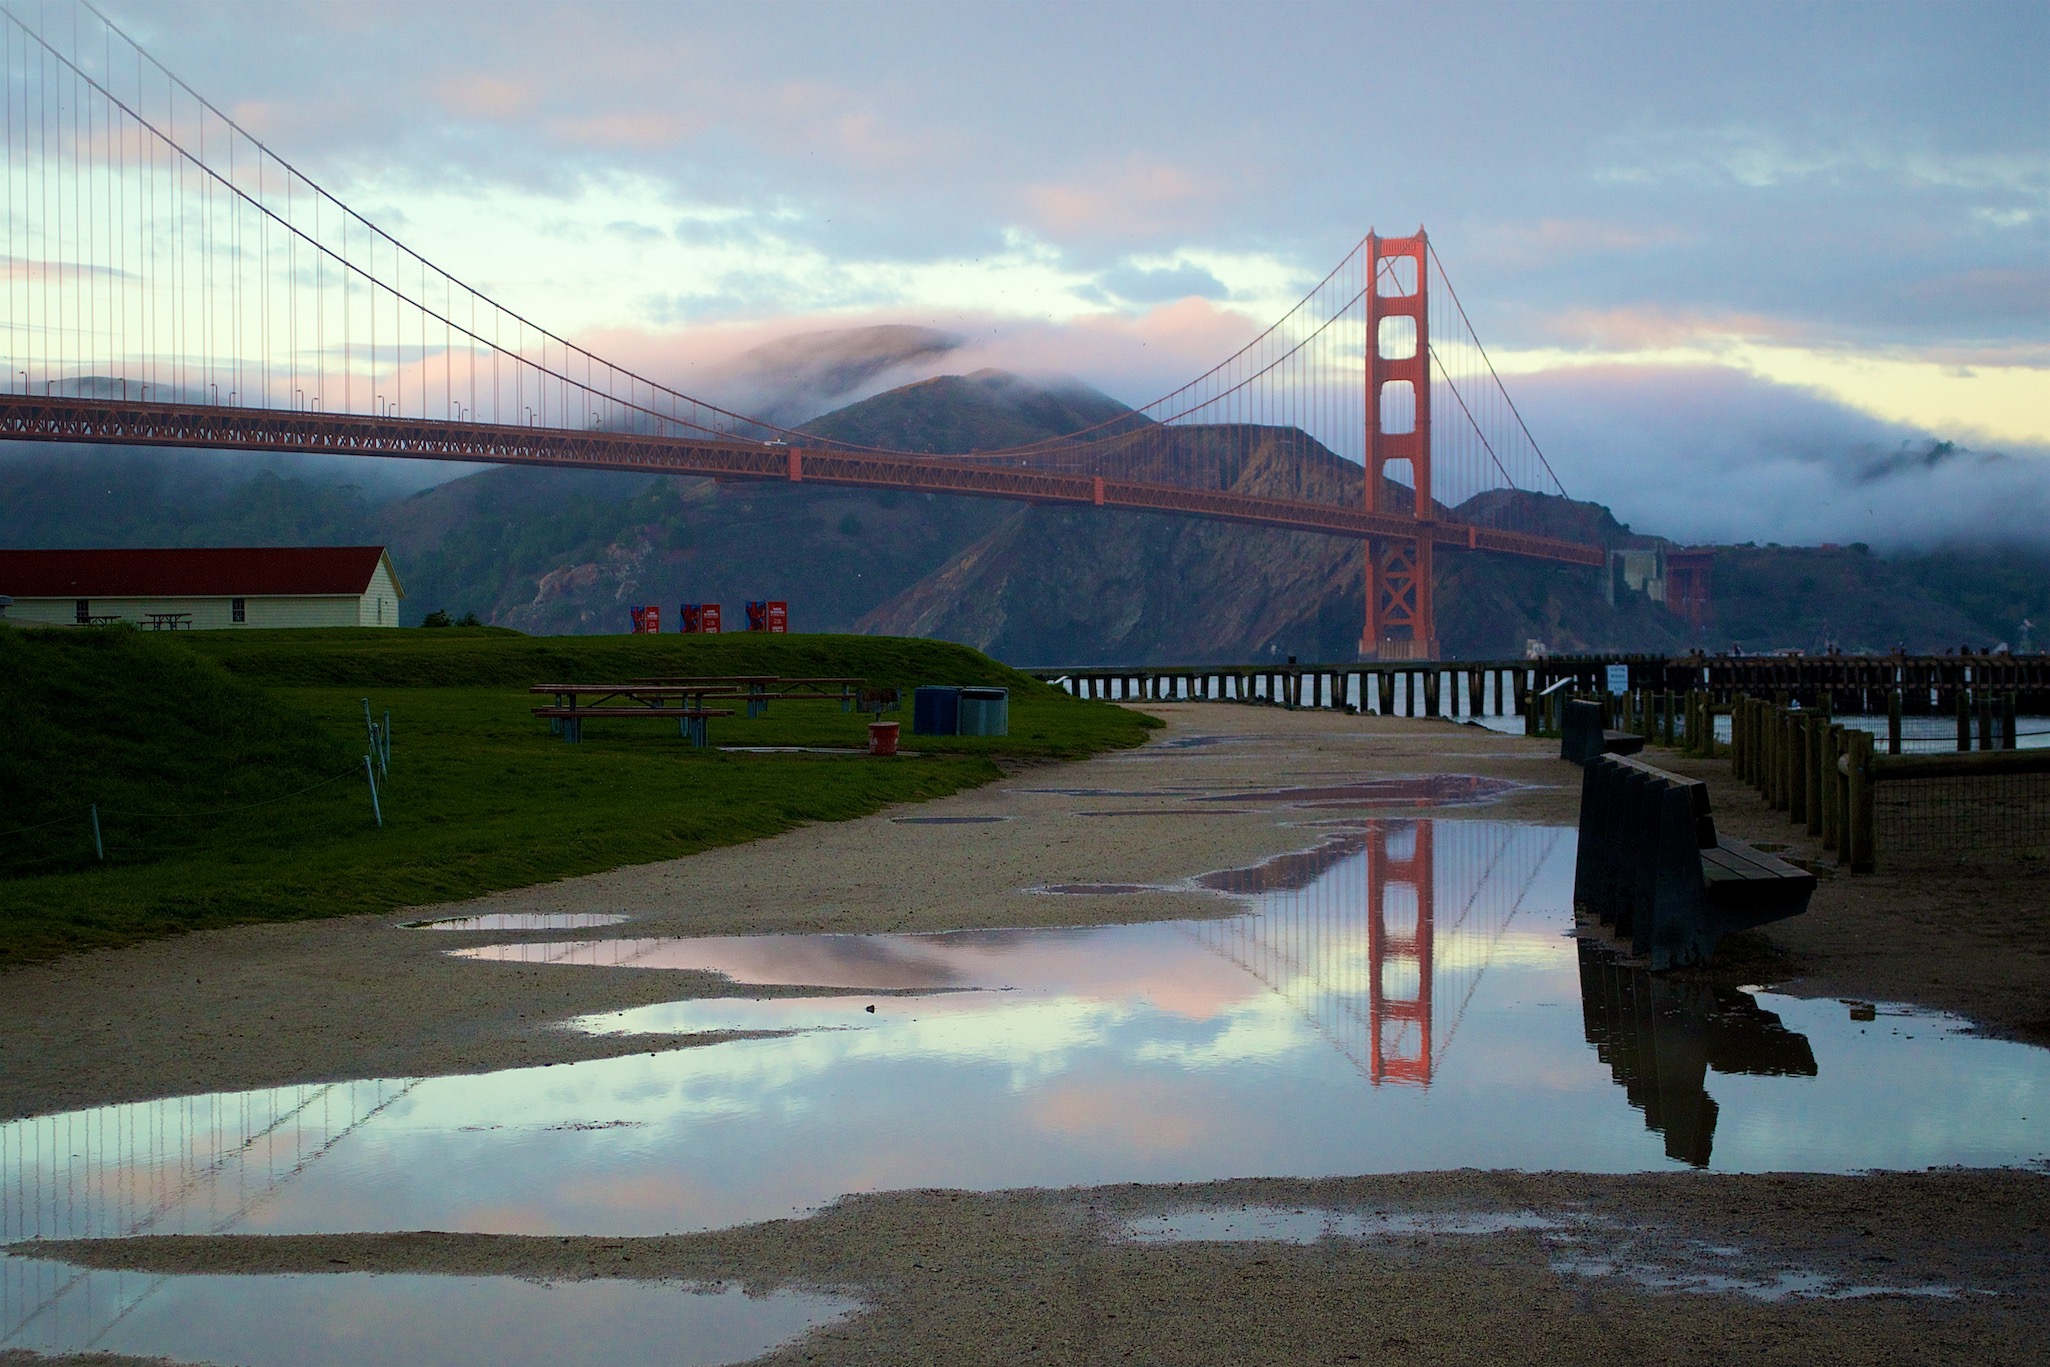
228	768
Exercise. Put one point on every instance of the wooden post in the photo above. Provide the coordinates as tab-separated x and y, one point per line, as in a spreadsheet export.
1893	722
1964	720
1832	746
1476	693
1863	855
2008	728
1797	768
1815	733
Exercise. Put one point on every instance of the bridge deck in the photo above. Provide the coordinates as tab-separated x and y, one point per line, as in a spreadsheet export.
128	423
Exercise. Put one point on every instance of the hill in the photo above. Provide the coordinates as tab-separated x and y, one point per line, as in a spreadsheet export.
169	746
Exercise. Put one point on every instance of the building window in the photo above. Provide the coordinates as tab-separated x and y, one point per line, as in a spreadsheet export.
85	611
238	609
380	612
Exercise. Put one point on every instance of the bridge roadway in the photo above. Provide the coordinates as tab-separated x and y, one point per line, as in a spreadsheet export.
121	422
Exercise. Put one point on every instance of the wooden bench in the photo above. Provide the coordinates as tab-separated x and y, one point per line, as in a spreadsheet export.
576	702
1652	868
1584	734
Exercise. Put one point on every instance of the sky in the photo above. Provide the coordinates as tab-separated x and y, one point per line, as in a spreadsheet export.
1775	273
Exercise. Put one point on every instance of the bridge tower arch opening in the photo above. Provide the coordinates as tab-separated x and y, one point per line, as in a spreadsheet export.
1400	623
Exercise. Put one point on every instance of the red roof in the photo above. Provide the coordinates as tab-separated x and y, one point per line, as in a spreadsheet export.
238	571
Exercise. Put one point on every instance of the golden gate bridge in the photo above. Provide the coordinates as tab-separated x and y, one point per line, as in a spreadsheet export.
171	281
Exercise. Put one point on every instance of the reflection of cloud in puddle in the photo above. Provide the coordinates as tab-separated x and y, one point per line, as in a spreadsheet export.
521	920
1149	1119
1308	1224
353	1317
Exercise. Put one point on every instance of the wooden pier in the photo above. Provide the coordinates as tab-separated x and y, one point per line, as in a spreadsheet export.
1927	685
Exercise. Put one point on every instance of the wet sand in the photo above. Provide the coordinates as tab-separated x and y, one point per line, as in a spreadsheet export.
1957	1264
1938	1267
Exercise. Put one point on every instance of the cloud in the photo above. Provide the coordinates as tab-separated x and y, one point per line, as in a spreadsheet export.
640	130
1135	198
1715	455
1550	242
486	97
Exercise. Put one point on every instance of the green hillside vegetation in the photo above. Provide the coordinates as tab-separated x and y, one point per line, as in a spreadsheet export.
164	741
228	768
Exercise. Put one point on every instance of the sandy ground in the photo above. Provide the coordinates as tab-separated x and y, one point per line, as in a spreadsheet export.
1935	1268
1952	1266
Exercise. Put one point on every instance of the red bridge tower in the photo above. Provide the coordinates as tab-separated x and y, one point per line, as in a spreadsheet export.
1400	624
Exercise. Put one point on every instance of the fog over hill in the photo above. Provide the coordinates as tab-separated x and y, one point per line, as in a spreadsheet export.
569	551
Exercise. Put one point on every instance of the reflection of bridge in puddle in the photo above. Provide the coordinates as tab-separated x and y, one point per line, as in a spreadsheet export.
183	1165
1378	936
1351	933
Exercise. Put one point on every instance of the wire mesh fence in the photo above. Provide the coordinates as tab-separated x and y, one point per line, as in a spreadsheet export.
1957	819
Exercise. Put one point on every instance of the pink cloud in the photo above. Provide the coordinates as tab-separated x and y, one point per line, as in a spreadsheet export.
492	98
1645	327
1547	241
1135	358
642	132
1135	198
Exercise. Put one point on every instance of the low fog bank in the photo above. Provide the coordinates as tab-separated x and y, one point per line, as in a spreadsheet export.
1713	456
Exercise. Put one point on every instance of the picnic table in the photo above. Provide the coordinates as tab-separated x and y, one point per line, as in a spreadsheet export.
167	621
576	703
762	689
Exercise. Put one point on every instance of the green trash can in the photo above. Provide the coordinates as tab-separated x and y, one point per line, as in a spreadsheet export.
985	712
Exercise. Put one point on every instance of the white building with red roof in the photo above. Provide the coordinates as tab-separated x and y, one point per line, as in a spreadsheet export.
226	589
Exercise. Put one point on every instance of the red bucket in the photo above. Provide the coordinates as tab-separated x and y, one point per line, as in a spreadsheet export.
882	737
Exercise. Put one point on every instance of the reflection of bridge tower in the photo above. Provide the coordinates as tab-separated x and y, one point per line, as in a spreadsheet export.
1401	925
1400	623
1380	937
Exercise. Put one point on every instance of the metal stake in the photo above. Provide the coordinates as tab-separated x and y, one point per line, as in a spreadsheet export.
371	773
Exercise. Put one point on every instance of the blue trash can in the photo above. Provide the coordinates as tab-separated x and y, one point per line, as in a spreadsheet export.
936	711
985	711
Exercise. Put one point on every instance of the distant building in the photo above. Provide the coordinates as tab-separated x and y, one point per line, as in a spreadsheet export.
230	589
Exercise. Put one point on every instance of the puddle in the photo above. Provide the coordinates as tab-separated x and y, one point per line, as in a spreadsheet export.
1580	1246
1306	1225
1174	811
310	1320
1403	793
1780	1284
947	820
521	920
1407	997
1097	889
1416	790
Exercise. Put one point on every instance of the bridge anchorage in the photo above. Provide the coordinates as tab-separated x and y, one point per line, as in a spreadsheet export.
171	281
